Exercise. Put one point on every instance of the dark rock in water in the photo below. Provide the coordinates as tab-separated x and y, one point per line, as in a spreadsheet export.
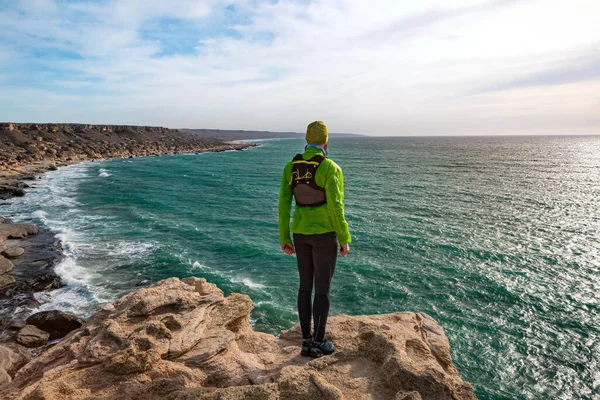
8	191
57	323
143	283
30	336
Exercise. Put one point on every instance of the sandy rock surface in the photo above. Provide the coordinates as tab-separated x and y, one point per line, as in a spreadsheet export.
30	336
17	231
5	265
185	340
13	252
11	359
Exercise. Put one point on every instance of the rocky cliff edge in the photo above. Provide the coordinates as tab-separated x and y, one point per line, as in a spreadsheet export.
182	339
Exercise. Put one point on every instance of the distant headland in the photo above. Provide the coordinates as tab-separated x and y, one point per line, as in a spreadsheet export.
27	149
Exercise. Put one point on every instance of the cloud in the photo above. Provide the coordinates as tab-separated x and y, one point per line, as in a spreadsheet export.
580	69
390	67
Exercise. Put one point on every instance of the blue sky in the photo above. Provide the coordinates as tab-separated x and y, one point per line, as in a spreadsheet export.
467	67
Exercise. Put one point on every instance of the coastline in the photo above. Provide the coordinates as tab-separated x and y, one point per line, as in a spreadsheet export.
34	270
27	150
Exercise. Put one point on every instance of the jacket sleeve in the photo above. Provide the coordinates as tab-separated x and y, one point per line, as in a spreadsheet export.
285	206
334	188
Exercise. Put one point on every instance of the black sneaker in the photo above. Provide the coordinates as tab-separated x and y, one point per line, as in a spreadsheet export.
306	345
324	348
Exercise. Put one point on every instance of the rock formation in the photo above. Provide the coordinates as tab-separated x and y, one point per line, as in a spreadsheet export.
182	339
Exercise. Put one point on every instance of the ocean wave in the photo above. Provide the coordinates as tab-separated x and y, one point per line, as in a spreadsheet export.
102	173
76	297
128	248
229	277
248	282
40	215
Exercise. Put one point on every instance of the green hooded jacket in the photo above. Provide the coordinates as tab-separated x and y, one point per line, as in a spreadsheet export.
314	220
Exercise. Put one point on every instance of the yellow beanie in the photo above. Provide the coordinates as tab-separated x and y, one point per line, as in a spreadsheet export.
316	133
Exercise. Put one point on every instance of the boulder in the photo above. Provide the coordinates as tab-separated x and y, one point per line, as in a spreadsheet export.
6	281
185	340
8	191
5	265
13	252
57	323
17	325
30	336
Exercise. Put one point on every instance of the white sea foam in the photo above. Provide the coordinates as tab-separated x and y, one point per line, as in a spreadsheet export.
103	173
76	296
274	304
248	282
131	248
52	203
245	281
71	273
40	215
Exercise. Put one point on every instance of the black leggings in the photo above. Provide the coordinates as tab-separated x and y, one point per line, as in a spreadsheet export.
316	255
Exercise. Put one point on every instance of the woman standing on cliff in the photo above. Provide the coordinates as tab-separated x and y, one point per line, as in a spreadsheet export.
317	185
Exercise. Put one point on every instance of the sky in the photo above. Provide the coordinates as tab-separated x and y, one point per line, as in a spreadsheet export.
393	67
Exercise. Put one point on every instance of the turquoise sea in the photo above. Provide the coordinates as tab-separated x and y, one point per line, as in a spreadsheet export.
496	238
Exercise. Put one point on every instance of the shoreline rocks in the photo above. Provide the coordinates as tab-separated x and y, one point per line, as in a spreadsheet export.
35	253
183	339
13	252
30	336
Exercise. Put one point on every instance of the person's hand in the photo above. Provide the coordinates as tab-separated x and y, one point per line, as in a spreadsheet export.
288	248
344	249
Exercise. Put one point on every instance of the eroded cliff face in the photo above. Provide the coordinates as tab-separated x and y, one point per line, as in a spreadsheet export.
182	339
